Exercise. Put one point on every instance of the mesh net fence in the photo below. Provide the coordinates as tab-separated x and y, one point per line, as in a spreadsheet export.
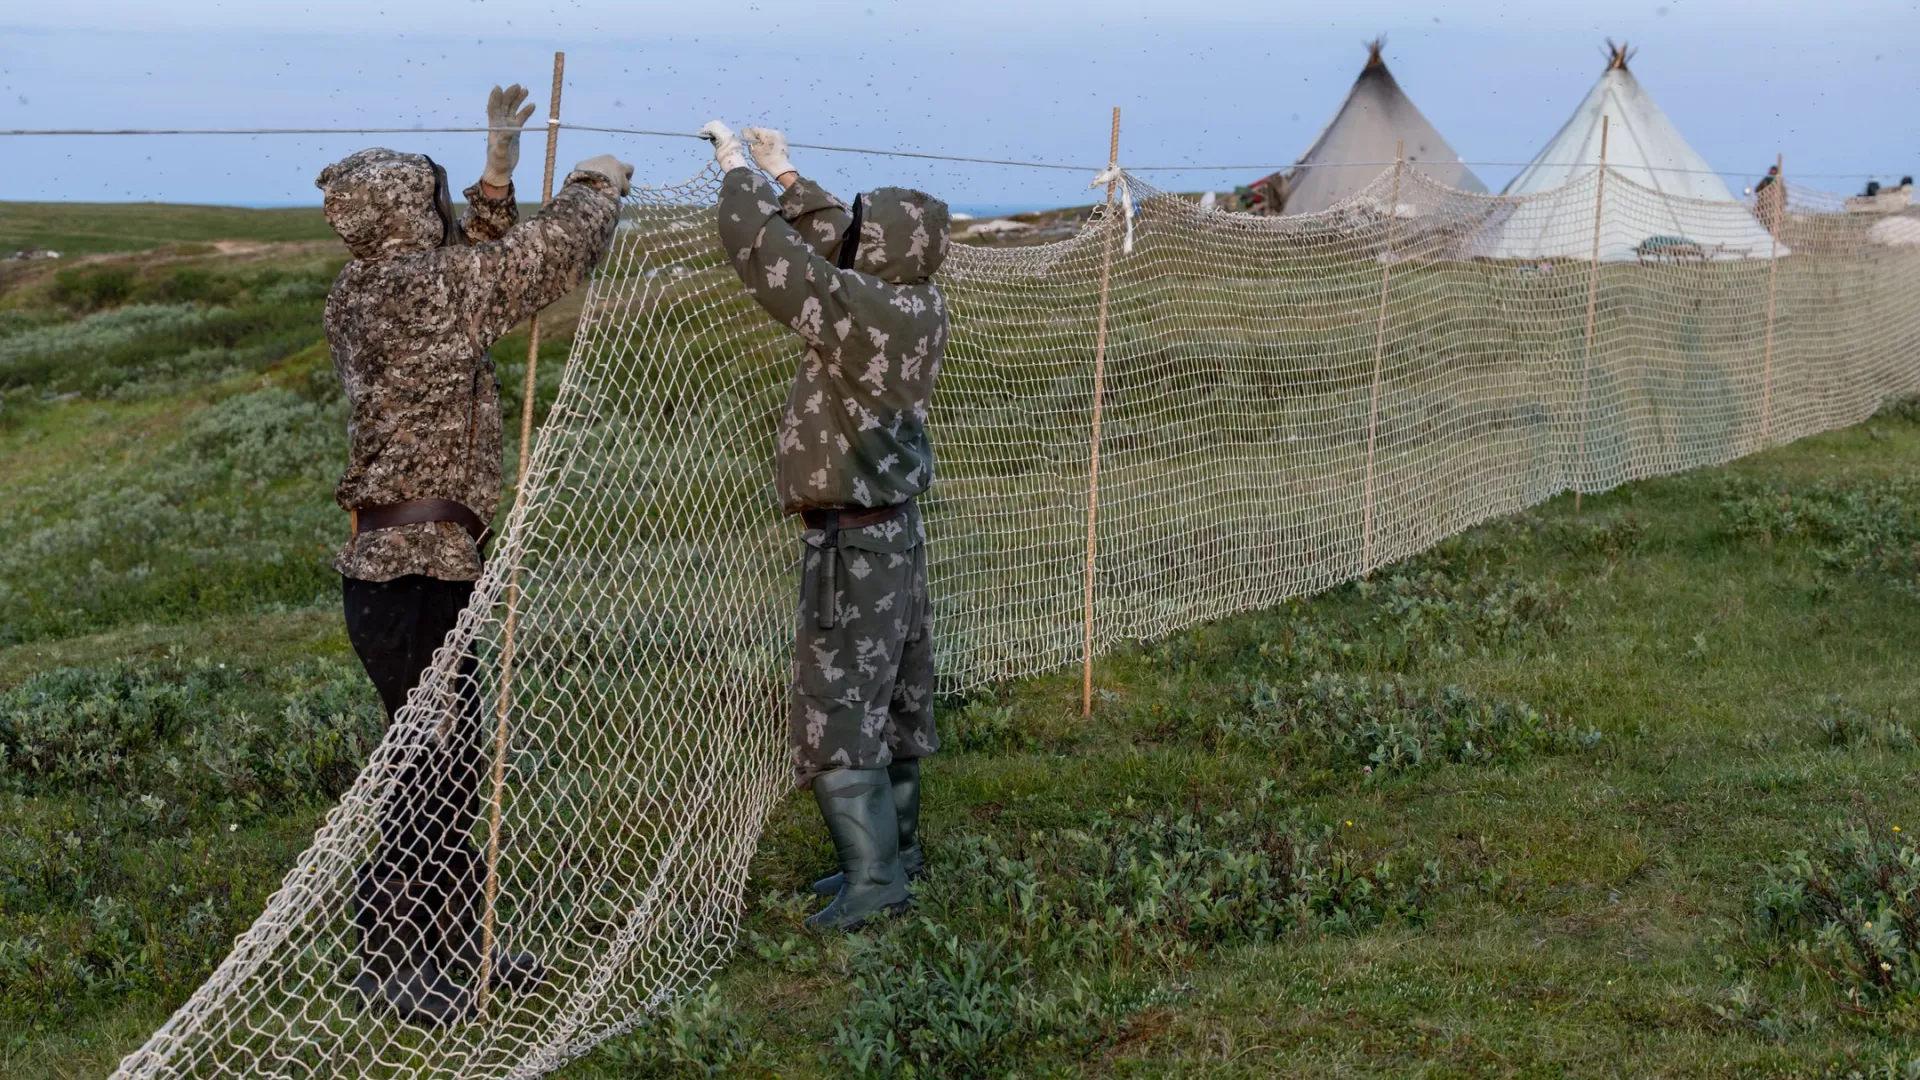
1287	403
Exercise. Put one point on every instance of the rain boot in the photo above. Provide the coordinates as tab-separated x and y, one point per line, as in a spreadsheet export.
461	935
904	776
858	807
399	971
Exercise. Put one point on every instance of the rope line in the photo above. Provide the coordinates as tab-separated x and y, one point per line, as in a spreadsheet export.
917	154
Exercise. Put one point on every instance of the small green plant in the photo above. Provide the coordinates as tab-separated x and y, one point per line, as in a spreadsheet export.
1612	539
1859	527
1383	725
1436	615
1842	726
930	1002
1848	910
982	724
693	1036
1901	408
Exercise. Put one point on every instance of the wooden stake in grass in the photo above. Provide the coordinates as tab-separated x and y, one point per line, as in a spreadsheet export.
513	587
1773	277
1379	359
1593	296
1099	385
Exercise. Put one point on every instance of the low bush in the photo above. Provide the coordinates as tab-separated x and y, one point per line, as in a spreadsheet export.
1383	725
927	1002
141	337
146	811
193	735
235	515
694	1036
1847	911
1437	615
1858	527
90	288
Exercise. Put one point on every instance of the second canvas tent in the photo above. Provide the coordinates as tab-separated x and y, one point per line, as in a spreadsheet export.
1358	144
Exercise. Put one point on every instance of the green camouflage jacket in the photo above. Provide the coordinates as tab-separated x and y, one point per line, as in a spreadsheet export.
854	432
409	322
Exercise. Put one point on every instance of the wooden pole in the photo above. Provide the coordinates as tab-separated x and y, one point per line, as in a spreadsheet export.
1593	296
483	990
1773	277
1099	387
1379	360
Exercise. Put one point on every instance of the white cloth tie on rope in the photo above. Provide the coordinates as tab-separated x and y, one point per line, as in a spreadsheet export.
1113	174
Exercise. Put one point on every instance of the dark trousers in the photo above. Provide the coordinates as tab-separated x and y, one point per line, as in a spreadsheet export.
396	626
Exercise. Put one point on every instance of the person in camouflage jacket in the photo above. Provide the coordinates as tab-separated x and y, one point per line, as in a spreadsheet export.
851	455
409	321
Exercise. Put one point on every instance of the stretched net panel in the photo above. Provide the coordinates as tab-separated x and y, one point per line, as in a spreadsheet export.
1288	402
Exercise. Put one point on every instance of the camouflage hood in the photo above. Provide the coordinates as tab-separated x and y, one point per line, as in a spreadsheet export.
385	203
903	235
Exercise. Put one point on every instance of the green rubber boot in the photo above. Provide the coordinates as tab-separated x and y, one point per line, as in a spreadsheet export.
904	776
858	807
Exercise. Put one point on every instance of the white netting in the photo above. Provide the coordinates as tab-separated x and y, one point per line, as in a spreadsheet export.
1288	402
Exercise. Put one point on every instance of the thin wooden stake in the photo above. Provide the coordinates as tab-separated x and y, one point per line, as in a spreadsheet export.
1099	387
1773	276
483	991
1379	359
1593	296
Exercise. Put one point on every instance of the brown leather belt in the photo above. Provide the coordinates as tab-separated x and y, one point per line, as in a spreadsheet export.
835	520
415	512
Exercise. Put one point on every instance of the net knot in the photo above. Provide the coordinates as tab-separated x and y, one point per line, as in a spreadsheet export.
1117	177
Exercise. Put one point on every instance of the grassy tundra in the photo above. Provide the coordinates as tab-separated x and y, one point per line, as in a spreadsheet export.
1624	794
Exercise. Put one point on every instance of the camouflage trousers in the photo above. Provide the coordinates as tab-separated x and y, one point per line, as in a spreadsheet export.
862	649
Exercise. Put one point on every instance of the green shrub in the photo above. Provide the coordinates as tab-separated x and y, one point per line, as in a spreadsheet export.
1901	408
984	725
1848	910
236	515
1386	725
1842	726
694	1036
195	735
1124	891
191	327
90	288
1437	615
146	811
36	355
927	1002
1865	526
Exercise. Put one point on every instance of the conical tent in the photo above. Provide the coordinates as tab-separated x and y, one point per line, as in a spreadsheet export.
1658	212
1360	141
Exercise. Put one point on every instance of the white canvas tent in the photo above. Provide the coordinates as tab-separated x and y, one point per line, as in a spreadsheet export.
1663	210
1376	117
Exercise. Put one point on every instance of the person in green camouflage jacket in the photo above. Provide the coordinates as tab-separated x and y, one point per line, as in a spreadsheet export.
851	456
409	322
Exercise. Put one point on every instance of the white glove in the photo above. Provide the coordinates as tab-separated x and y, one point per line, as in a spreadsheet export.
726	146
503	147
612	168
769	149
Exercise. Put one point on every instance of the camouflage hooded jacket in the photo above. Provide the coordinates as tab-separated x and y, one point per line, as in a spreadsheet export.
409	322
854	432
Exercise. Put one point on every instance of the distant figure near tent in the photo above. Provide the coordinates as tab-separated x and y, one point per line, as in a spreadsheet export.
1653	214
1358	144
1770	200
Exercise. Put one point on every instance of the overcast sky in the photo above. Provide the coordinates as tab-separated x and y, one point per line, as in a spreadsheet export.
1832	85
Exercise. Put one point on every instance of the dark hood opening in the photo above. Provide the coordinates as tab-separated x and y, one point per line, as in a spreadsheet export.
903	235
